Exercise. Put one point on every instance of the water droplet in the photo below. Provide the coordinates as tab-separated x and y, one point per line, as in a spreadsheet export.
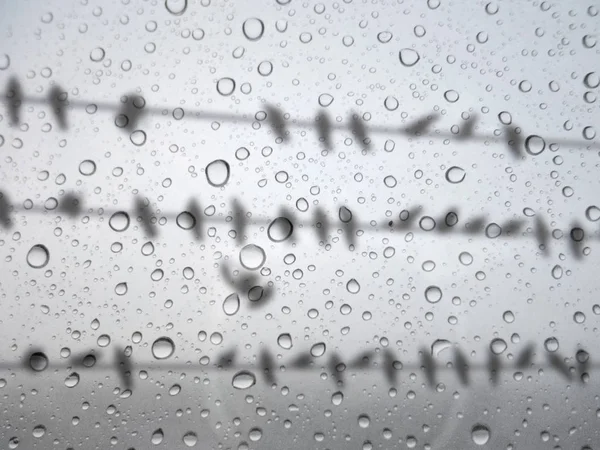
353	286
451	96
391	103
38	361
216	338
285	341
427	223
480	434
384	37
243	380
231	304
493	230
217	173
4	61
253	29
72	380
119	221
39	431
337	398
345	214
325	100
163	348
190	439
318	349
185	220
226	86
121	288
409	57
157	436
87	167
364	421
176	7
534	145
579	317
439	346
280	229
147	248
557	272
38	256
390	181
97	54
592	80
497	346
433	294
508	316
138	137
252	257
551	344
265	68
455	175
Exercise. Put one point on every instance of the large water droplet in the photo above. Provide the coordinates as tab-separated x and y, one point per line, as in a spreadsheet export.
138	137
217	173
534	145
439	345
38	256
280	229
38	361
337	398
157	436
185	220
243	380
39	431
252	257
163	348
285	341
176	7
119	221
253	29
225	86
318	349
72	380
455	174
231	304
433	294
190	439
592	213
353	286
409	57
551	344
557	272
497	346
480	434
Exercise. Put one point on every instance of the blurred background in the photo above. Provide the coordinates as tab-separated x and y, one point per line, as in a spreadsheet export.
284	224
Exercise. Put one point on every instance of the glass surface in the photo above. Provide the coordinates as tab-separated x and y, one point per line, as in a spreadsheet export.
261	224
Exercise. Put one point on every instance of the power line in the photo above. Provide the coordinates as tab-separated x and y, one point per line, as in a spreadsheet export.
132	107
